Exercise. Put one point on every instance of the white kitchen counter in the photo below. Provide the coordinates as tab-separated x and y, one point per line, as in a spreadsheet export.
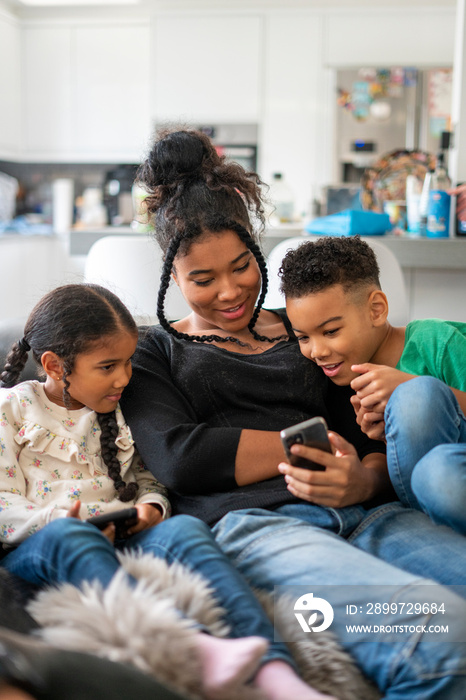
434	270
419	253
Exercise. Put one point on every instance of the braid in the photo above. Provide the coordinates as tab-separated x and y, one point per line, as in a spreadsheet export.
108	435
67	367
14	364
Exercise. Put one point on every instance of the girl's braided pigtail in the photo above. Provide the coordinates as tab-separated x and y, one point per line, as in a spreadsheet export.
108	435
14	363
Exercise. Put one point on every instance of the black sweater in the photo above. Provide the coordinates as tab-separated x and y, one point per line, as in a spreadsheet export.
187	404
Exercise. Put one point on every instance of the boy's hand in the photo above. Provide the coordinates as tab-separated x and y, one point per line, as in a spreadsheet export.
371	423
376	384
345	481
148	516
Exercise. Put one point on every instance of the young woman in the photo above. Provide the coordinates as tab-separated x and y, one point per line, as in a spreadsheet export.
209	395
66	453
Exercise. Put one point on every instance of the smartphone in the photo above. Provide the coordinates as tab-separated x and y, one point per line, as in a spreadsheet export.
123	519
312	433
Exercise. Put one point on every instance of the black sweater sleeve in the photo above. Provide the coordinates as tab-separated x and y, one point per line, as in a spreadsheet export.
186	456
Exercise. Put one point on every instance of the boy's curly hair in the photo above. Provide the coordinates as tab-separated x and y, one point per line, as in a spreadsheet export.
317	265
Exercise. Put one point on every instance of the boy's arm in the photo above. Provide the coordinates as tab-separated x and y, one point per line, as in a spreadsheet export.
373	388
375	385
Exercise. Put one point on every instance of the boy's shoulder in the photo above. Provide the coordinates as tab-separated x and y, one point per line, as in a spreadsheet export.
429	327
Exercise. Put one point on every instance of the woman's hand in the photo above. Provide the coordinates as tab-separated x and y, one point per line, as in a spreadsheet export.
148	516
345	481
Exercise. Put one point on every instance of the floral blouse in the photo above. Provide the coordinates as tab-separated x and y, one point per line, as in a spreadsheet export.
50	457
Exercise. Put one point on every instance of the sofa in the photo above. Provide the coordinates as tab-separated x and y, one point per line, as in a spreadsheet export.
11	330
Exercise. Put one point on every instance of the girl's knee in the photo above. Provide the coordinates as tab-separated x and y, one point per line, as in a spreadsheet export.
71	527
187	526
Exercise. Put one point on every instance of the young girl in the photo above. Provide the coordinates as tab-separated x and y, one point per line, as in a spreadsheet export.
66	454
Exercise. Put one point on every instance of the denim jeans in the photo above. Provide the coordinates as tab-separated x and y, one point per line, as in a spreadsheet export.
304	545
426	450
73	551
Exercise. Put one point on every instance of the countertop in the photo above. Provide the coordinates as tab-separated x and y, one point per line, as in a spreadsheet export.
411	252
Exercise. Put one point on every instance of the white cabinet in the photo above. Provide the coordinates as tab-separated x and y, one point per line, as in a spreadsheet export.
86	92
391	37
10	82
113	78
294	127
208	68
47	104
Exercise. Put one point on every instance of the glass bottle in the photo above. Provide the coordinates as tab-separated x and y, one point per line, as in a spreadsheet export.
438	209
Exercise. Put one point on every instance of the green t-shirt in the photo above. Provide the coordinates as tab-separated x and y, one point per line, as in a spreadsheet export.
436	348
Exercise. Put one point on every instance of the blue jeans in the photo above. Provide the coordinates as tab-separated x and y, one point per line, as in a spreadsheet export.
304	545
73	551
425	431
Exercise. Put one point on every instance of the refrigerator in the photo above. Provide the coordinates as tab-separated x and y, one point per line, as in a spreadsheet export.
380	110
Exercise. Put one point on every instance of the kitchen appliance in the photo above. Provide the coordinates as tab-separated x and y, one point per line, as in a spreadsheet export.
244	155
336	198
237	142
117	194
404	108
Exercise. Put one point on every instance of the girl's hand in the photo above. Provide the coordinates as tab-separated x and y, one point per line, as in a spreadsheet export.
73	512
345	481
376	384
148	516
109	532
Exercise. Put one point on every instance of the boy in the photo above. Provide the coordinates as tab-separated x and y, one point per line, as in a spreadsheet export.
339	315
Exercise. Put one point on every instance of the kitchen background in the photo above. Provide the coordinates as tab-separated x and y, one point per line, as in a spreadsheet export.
82	90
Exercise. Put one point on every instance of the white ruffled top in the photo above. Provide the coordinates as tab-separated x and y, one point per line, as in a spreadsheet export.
50	456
